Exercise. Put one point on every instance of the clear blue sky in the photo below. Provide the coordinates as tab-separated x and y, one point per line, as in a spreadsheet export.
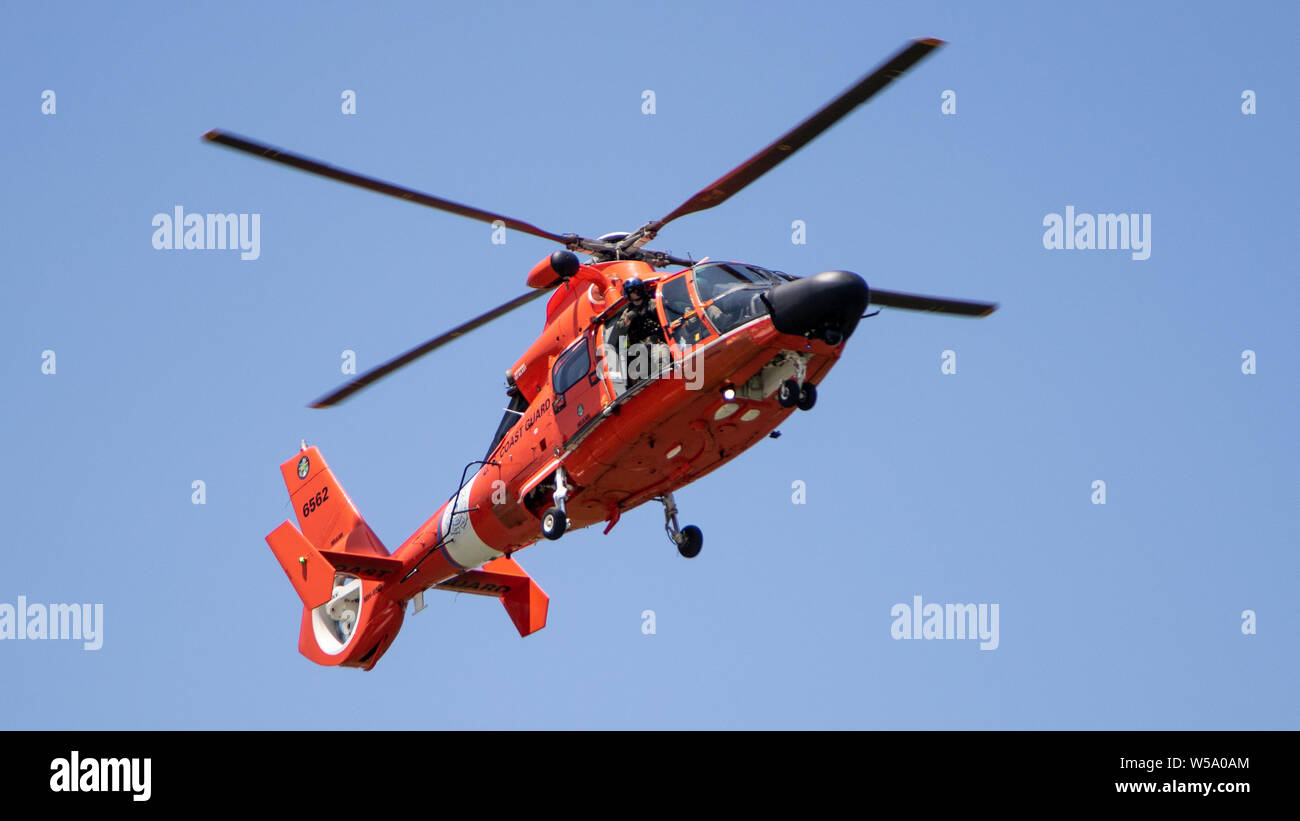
176	366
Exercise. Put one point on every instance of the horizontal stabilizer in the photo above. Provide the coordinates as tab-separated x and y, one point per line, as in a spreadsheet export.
525	601
365	566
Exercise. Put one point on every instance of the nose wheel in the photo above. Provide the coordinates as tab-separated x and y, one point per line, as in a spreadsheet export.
797	391
792	393
689	539
807	396
788	393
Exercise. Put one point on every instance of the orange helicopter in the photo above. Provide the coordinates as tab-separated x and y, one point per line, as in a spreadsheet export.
642	381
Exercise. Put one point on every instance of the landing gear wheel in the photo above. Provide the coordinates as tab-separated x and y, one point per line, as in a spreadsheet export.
691	540
688	539
788	393
554	523
807	396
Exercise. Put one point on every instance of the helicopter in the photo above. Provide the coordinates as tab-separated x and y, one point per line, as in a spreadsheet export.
651	371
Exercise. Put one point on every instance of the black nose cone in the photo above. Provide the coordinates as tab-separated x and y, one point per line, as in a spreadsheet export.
827	305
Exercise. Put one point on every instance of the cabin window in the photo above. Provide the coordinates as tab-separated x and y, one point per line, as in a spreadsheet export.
572	366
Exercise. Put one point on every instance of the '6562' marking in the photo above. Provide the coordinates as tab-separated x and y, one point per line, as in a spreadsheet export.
314	503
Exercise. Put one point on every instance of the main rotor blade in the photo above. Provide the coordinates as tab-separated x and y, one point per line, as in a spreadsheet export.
918	302
311	166
375	374
785	145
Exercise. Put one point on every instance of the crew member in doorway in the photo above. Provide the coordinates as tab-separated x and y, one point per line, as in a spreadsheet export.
639	325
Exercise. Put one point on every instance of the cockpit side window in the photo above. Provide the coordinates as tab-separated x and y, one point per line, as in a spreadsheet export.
684	325
676	300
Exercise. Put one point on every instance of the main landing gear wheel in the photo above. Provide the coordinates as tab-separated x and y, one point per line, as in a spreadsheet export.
692	539
688	539
807	396
554	523
788	393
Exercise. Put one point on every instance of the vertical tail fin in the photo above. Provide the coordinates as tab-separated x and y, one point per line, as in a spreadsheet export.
325	514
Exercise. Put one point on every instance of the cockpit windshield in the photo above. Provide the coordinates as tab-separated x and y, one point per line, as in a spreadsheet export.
732	293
